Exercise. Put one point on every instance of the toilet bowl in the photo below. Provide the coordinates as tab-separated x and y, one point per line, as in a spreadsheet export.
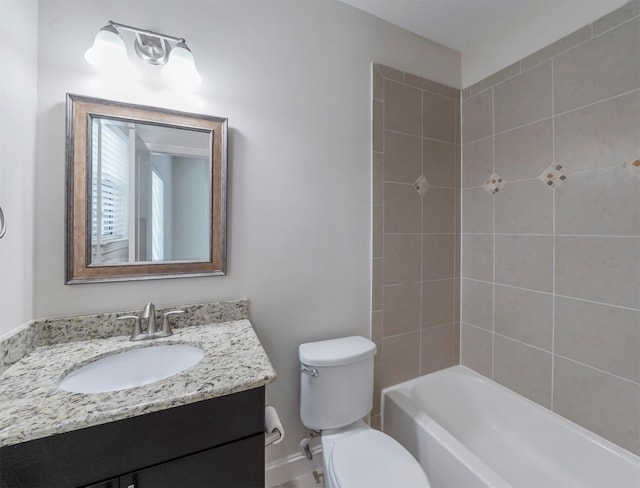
336	380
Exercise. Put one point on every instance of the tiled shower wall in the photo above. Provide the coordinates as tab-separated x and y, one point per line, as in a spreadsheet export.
550	286
415	314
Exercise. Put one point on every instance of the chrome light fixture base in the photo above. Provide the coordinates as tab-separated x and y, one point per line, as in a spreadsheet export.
153	49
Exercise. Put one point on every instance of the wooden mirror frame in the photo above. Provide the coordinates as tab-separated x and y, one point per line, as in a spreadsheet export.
79	269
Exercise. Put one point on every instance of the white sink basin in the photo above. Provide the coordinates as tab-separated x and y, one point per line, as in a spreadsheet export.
135	367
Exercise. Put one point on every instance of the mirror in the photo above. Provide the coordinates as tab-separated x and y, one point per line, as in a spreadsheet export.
146	192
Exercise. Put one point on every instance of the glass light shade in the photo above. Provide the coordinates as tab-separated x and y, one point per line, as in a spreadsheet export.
109	53
180	70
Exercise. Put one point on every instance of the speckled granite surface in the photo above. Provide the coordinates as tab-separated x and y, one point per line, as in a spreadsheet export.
32	406
47	332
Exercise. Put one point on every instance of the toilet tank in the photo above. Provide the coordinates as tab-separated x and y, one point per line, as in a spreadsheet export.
336	381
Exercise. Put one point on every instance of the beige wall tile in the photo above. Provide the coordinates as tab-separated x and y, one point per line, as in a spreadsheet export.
439	163
377	81
523	369
456	300
402	209
525	152
477	163
477	120
605	337
437	302
525	261
476	349
377	231
438	208
523	99
602	403
458	167
389	73
495	78
421	83
601	135
477	257
376	422
437	257
477	303
377	388
524	207
438	349
402	108
402	259
578	80
477	211
602	269
377	143
377	192
557	47
591	203
377	282
439	117
376	332
628	10
456	341
402	157
400	358
524	315
401	309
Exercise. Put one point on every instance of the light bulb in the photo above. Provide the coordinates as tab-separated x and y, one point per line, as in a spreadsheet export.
180	70
109	53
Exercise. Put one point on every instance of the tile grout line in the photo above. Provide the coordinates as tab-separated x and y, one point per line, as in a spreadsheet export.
382	277
493	223
460	182
421	234
553	257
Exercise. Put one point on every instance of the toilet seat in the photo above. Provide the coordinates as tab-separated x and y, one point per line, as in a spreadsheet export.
372	459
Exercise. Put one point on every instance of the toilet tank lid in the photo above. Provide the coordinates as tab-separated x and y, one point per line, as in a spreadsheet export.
336	352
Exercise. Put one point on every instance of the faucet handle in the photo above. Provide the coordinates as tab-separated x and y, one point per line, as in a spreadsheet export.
166	327
137	334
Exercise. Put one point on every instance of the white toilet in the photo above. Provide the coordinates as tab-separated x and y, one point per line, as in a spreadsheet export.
336	392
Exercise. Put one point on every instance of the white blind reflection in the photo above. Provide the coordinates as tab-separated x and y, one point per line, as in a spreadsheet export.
110	190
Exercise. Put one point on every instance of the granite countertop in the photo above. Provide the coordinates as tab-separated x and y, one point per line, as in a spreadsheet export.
32	406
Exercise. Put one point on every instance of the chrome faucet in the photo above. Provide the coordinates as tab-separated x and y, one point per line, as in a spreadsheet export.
149	314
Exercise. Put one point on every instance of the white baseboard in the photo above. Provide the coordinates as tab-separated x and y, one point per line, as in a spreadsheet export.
282	470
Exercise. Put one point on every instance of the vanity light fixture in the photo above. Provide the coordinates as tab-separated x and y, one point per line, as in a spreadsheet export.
109	54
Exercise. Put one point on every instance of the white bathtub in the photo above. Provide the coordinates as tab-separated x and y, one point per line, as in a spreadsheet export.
468	431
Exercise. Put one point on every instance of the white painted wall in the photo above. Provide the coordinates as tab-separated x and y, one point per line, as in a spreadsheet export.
293	78
18	92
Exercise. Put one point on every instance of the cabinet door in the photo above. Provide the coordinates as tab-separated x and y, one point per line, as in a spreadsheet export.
238	464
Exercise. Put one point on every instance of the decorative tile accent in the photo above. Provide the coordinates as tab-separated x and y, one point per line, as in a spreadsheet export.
422	185
633	164
554	175
493	184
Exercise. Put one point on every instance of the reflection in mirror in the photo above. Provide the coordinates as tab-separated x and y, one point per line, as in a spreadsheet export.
150	188
146	192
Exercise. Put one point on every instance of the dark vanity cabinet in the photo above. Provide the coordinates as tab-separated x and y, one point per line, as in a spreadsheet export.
212	443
